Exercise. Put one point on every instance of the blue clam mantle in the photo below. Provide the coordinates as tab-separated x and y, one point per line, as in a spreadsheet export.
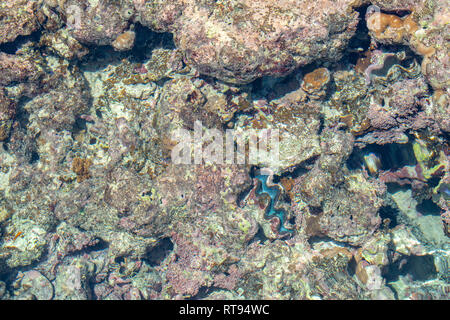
271	211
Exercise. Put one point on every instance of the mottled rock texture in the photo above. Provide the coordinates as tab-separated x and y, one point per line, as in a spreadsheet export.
239	41
17	18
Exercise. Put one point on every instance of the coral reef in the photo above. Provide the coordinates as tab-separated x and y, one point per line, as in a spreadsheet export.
315	82
240	41
7	113
18	18
391	28
346	101
100	23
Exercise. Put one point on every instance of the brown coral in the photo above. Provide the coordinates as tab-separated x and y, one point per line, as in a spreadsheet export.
124	41
81	168
391	28
316	81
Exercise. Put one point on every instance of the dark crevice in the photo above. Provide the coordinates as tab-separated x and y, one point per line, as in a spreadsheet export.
203	292
360	42
419	268
22	116
34	157
315	239
147	40
297	170
160	252
12	47
392	156
393	187
351	267
387	212
78	126
99	246
428	207
259	236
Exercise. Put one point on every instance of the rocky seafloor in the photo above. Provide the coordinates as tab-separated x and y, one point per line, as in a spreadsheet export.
357	206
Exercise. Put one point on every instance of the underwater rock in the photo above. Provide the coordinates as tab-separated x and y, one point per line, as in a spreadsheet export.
18	68
7	113
441	108
375	250
200	253
314	186
70	240
428	227
59	108
18	18
406	243
424	31
310	274
203	189
100	205
408	289
342	207
432	43
72	280
243	40
98	22
93	205
159	15
351	213
2	289
401	107
63	44
180	105
188	257
399	5
351	100
26	242
32	285
297	126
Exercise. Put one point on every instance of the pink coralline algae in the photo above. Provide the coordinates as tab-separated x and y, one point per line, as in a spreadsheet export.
399	5
239	41
407	175
188	257
7	113
16	68
402	108
18	18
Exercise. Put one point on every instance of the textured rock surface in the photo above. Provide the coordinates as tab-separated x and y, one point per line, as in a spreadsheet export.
33	285
99	22
18	18
239	41
93	204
